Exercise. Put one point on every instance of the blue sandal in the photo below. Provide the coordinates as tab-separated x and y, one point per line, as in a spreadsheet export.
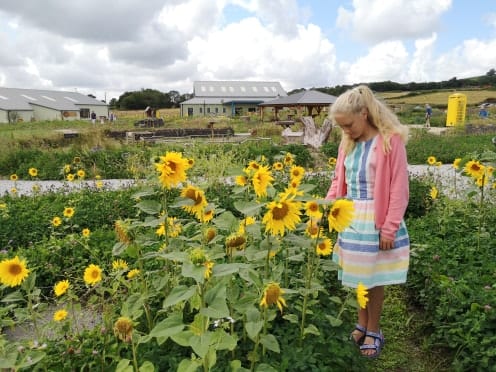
358	341
376	346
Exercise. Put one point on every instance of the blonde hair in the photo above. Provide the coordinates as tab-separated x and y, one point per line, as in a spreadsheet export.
353	101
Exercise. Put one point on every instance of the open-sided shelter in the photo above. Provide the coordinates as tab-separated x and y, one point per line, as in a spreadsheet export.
307	99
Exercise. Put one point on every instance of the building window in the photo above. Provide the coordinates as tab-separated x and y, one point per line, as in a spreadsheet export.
208	110
84	113
223	110
201	110
252	109
216	110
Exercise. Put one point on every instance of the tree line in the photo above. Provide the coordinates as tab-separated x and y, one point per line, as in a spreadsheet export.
139	100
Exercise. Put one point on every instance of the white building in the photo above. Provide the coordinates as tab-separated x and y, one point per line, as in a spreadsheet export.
230	98
38	105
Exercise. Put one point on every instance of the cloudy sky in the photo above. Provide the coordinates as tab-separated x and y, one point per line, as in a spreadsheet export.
107	47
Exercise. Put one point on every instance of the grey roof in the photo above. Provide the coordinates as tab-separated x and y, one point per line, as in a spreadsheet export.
22	99
239	89
223	101
306	97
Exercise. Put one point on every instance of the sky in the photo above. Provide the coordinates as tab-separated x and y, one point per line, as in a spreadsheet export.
108	47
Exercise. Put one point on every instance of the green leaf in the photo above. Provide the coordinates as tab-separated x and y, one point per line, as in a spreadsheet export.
335	322
225	269
270	342
16	296
223	340
123	366
311	329
201	343
248	208
190	270
147	367
119	248
265	368
149	206
133	306
253	329
188	365
168	327
226	221
215	299
178	294
292	318
182	338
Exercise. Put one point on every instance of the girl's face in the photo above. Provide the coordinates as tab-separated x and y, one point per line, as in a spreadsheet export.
356	126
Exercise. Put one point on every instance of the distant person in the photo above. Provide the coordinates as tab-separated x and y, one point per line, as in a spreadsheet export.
428	114
93	117
483	114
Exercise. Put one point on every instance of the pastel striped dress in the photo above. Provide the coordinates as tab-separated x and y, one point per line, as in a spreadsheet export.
357	250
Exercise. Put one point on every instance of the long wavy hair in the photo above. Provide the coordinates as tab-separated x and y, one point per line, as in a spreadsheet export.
378	114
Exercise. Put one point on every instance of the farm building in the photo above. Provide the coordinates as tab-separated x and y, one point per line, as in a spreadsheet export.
36	105
230	98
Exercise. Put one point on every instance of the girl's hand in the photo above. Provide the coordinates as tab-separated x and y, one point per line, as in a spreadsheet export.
385	244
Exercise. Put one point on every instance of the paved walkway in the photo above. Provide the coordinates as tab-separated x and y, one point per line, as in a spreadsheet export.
444	176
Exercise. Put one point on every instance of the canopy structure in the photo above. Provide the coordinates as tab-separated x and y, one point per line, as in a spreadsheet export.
309	99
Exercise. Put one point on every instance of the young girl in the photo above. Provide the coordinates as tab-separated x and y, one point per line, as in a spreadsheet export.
371	170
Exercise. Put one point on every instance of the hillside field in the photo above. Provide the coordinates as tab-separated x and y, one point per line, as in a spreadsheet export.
437	98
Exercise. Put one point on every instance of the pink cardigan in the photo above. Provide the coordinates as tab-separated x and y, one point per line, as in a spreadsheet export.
391	192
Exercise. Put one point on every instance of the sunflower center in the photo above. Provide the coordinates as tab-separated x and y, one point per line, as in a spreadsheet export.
272	294
94	274
335	212
475	167
193	195
280	212
15	269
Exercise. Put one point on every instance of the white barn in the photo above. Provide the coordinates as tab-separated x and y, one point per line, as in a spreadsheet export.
37	105
230	98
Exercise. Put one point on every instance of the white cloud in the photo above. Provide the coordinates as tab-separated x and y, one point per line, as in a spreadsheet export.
373	21
420	69
385	61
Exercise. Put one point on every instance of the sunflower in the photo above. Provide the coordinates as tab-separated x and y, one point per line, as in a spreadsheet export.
60	315
312	209
61	287
56	221
81	173
99	184
456	163
433	193
261	180
206	216
245	222
13	177
210	234
33	172
474	169
481	181
331	162
92	274
35	188
252	166
241	180
324	247
122	230
68	212
119	264
13	271
67	168
272	295
341	215
123	329
13	190
197	200
297	172
431	160
86	232
362	293
314	230
235	241
133	273
288	159
70	177
208	269
281	215
278	166
197	256
172	169
76	160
